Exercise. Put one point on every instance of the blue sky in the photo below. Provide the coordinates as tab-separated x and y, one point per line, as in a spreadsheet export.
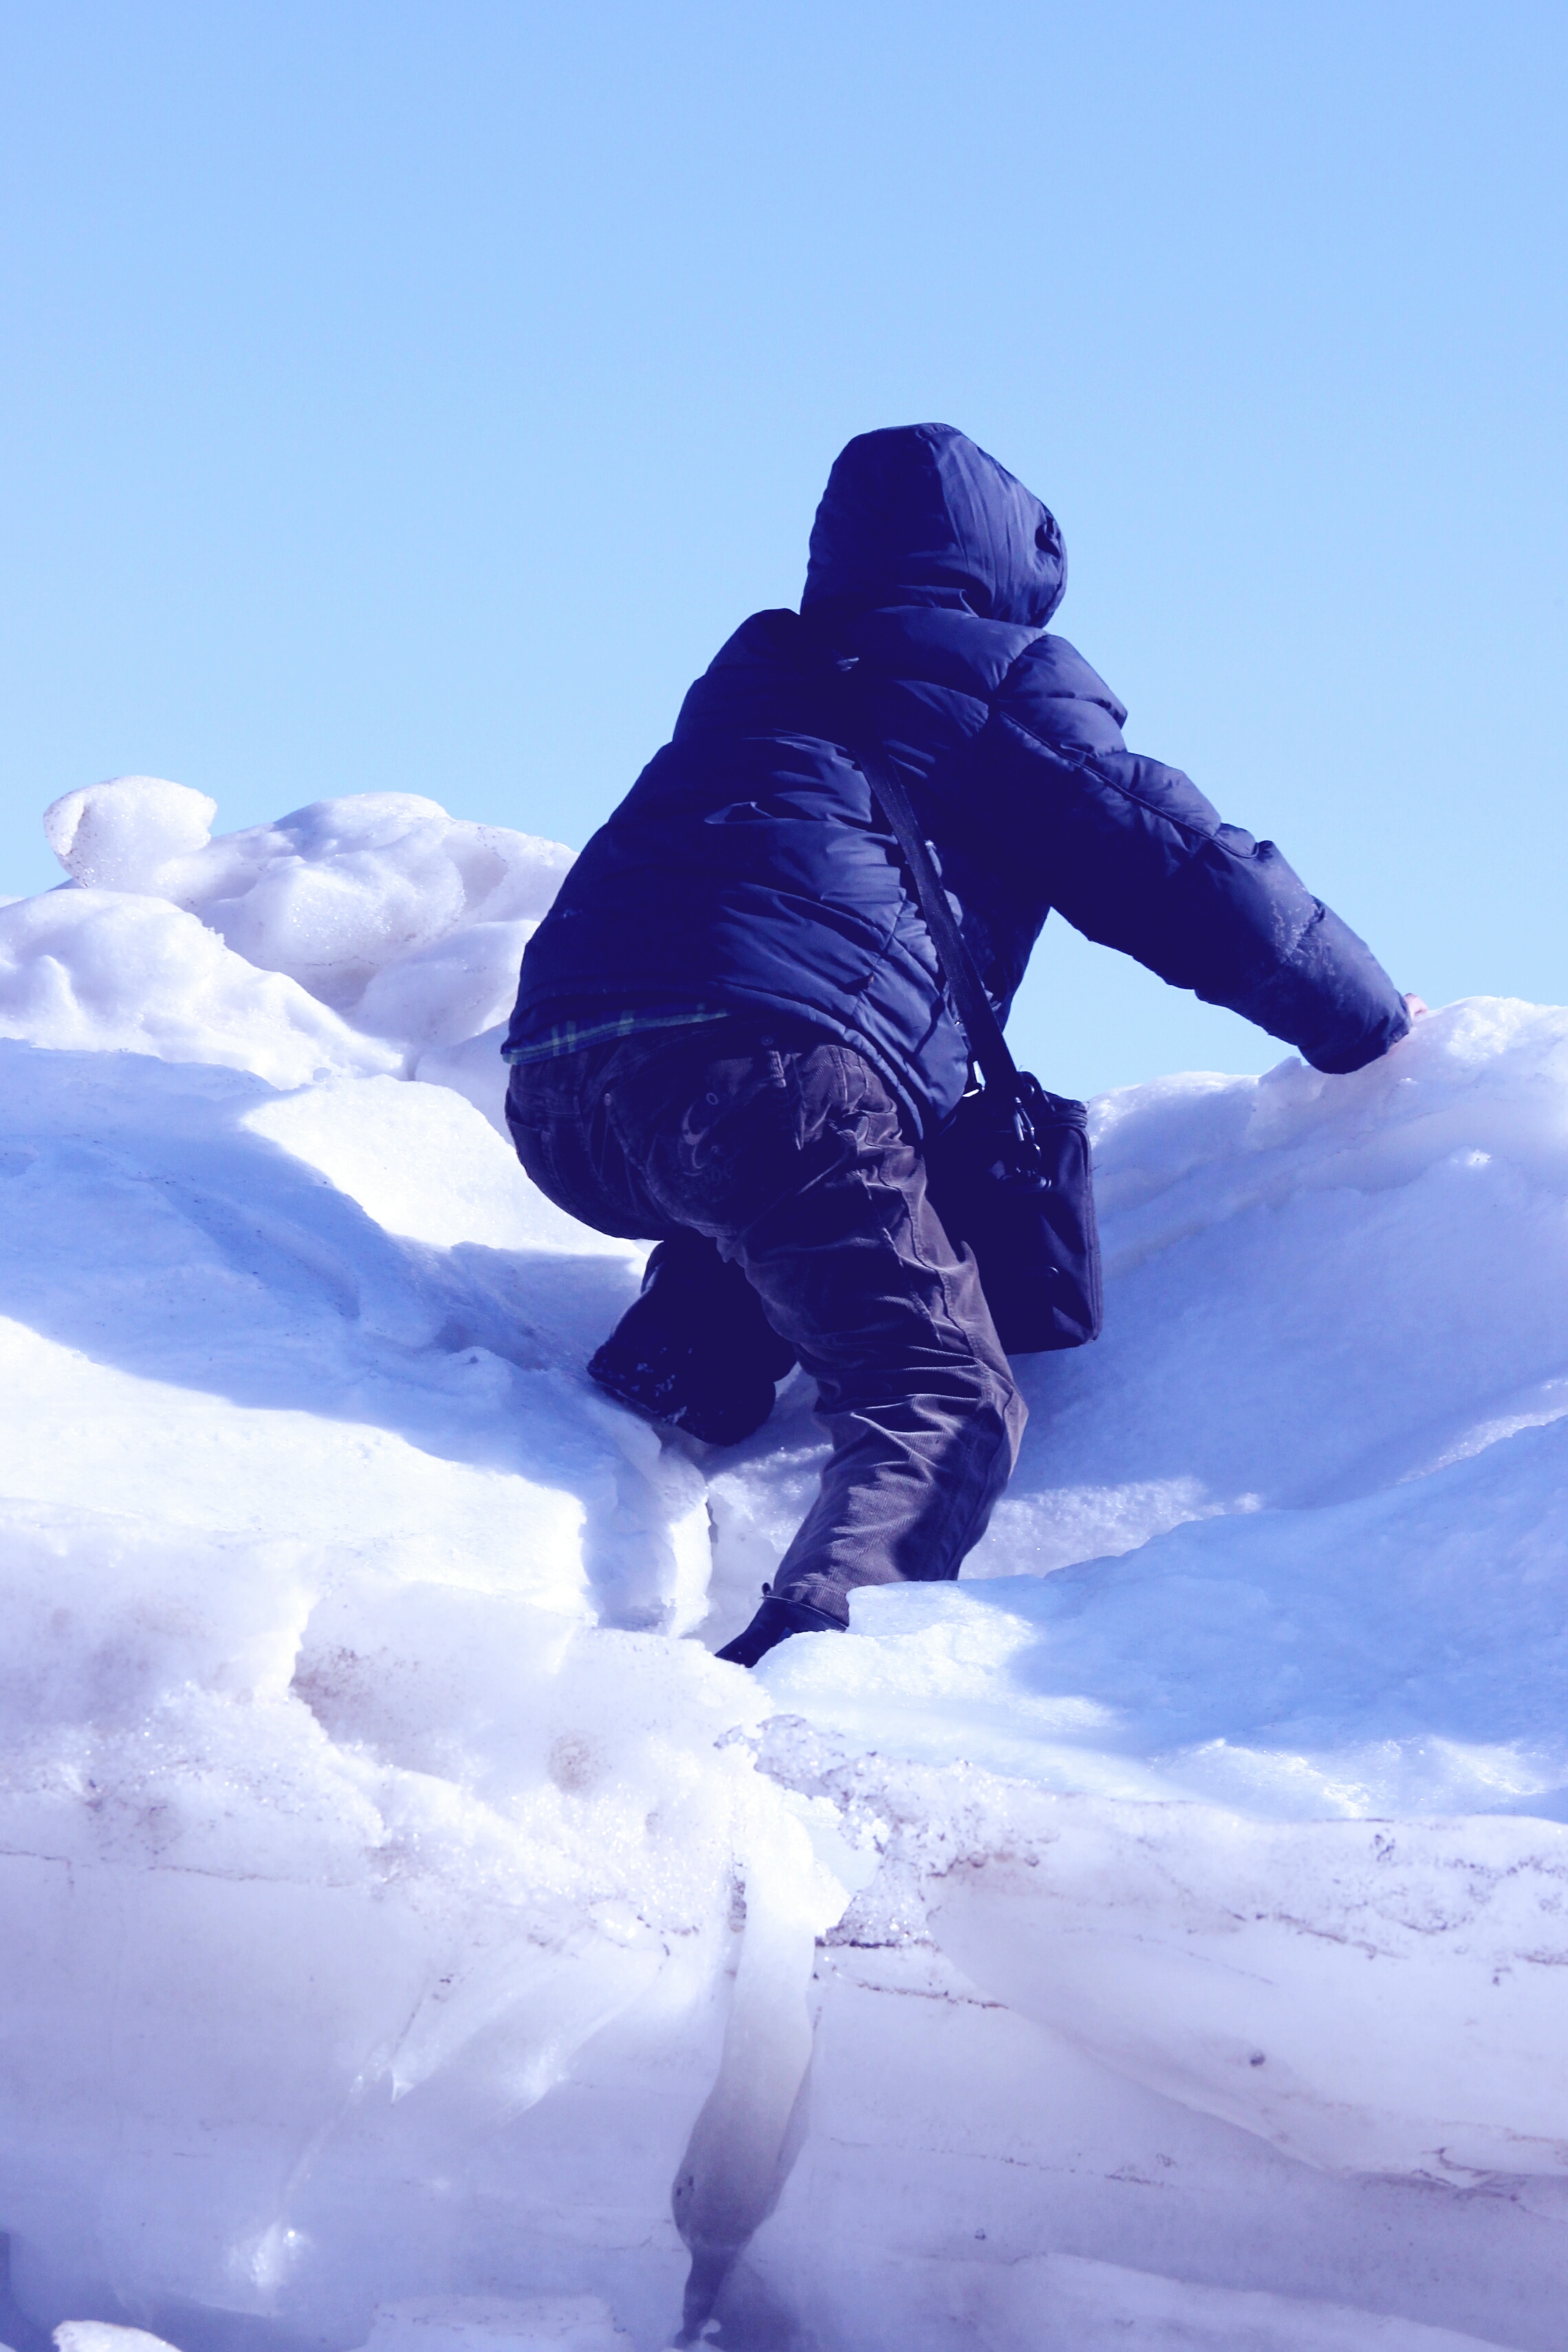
412	397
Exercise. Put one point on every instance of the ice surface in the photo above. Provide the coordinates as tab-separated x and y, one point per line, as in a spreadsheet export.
562	2323
412	1938
102	2336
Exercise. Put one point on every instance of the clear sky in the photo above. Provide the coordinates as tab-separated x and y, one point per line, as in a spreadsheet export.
412	396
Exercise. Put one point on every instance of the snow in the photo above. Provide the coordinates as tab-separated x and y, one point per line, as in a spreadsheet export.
63	961
412	1938
379	906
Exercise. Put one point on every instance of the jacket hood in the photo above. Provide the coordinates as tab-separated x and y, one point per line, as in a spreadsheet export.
919	515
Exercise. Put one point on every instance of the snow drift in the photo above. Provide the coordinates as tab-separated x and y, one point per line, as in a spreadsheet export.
411	1936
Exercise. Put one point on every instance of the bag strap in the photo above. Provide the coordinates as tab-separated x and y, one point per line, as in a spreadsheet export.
987	1042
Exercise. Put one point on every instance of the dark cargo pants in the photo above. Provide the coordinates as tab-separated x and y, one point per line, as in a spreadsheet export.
790	1153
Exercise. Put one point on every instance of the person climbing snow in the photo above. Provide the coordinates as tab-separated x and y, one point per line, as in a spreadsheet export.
732	1035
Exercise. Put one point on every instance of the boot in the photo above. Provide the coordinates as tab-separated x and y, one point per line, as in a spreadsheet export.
774	1623
696	1349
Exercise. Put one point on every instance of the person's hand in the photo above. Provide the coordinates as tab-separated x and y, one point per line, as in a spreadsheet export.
1418	1007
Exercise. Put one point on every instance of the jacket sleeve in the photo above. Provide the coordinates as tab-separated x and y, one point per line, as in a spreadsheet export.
1135	857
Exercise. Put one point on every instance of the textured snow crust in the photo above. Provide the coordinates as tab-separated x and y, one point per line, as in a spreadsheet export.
411	1937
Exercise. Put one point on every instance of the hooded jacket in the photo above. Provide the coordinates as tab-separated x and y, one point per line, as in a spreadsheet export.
748	868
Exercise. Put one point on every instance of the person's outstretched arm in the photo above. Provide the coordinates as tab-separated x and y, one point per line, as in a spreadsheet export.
1135	857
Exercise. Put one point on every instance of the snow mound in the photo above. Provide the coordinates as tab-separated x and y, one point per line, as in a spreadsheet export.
379	906
63	964
412	1938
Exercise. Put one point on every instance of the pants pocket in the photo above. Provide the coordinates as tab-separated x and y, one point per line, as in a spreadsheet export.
735	1142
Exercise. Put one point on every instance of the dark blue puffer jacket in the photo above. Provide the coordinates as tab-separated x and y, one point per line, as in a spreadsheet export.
748	868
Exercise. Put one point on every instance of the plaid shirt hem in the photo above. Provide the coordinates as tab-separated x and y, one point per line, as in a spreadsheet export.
567	1036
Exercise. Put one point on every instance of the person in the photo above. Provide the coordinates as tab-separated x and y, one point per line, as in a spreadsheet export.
732	1035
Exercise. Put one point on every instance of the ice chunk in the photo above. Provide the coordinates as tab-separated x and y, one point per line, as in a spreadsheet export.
440	995
1381	1998
1096	2306
102	970
379	902
507	876
131	833
338	890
